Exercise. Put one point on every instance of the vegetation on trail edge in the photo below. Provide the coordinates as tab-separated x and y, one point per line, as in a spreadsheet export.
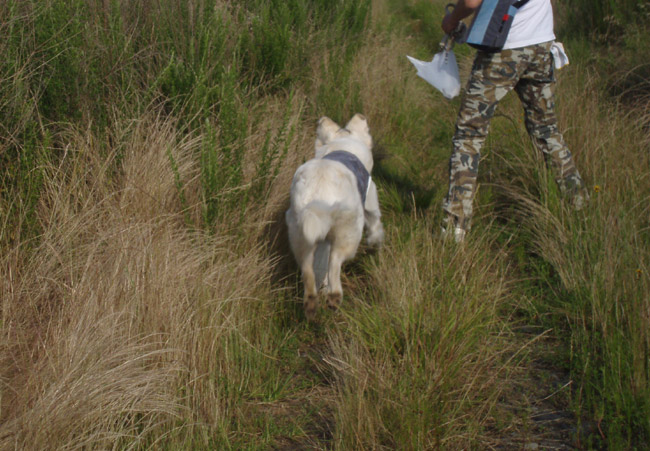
148	296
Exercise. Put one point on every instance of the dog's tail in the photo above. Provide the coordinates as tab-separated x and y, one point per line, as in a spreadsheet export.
318	219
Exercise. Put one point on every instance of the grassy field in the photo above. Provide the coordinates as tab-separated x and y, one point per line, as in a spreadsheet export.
148	296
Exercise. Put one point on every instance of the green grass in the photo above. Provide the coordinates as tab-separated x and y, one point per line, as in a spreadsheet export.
149	299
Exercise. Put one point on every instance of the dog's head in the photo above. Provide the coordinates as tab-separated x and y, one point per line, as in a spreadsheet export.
354	138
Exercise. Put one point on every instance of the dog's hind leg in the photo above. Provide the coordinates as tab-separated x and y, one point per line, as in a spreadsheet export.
340	253
321	265
309	282
304	253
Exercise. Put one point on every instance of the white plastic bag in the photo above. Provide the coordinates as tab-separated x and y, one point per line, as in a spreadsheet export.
560	58
441	72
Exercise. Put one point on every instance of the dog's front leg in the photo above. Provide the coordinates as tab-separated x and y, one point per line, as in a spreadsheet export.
372	217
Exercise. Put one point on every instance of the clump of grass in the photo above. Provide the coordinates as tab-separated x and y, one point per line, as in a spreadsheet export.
419	354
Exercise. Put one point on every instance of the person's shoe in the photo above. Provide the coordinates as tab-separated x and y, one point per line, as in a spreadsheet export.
580	201
457	232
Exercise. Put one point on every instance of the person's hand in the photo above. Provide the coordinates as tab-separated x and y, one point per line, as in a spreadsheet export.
449	23
460	10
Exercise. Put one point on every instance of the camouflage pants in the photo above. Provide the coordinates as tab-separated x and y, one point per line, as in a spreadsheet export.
529	71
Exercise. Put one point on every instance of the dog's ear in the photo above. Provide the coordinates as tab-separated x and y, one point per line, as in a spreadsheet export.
358	126
326	131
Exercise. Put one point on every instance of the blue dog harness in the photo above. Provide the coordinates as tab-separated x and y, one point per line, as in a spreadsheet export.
355	165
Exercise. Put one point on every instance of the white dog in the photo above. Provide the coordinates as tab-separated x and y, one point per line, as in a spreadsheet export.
332	196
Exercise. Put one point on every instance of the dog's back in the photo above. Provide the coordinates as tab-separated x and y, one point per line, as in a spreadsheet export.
324	197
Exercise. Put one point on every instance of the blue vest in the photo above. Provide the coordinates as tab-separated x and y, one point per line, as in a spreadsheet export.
356	166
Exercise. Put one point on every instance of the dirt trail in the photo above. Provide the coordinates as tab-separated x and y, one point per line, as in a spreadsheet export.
534	412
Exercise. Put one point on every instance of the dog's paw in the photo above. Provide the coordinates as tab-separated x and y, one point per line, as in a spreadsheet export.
311	306
376	237
334	300
323	290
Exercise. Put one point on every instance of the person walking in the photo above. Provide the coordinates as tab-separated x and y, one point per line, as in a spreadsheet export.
525	64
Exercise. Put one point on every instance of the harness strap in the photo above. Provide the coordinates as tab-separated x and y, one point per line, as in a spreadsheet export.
355	165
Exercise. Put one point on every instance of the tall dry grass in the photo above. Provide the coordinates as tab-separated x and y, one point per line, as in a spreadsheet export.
121	323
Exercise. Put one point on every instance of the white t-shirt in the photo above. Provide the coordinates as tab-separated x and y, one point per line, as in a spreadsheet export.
533	24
